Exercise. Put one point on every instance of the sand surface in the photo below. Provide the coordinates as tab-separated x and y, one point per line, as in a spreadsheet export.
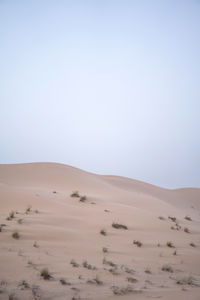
60	232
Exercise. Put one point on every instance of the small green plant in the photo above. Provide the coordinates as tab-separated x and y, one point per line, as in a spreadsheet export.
173	219
75	194
189	280
28	210
44	273
11	215
167	268
131	279
108	262
119	226
83	198
170	245
122	290
74	263
147	271
64	282
138	243
35	245
103	232
16	235
88	266
188	218
20	221
105	250
192	245
186	230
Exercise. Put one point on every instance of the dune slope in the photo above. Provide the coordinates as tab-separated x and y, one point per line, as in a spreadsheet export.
156	256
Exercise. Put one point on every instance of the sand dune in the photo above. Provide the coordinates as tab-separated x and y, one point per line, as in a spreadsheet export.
60	232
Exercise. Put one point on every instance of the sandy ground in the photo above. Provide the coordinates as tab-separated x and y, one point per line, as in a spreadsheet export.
60	232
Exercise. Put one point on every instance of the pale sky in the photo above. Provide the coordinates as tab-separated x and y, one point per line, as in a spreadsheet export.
108	86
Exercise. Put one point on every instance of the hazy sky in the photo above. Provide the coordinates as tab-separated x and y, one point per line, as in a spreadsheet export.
109	86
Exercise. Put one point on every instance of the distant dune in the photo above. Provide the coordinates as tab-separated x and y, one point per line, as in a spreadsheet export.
125	239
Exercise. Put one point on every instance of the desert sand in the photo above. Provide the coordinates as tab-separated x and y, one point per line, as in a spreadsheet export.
156	253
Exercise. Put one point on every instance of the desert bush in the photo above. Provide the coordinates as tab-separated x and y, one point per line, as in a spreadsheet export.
188	218
83	198
75	194
44	273
103	232
96	280
174	253
20	221
88	266
119	226
173	219
138	243
109	262
161	218
35	245
105	250
188	280
186	230
131	279
74	263
24	284
64	282
192	245
167	268
122	290
170	244
11	215
28	210
147	270
16	235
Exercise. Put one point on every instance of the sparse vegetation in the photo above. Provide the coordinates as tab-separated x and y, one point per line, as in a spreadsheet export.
74	263
119	226
138	243
170	245
28	210
161	218
131	279
173	219
109	262
105	250
103	232
147	271
186	230
11	215
129	271
83	198
20	221
44	273
35	245
167	268
122	290
64	282
192	245
16	235
75	194
188	218
96	280
189	280
88	266
24	284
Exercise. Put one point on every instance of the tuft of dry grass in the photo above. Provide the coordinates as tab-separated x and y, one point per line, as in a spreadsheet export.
75	194
83	198
192	245
103	232
28	210
138	243
108	262
167	268
105	250
131	279
11	216
45	274
119	226
74	263
186	230
147	271
188	218
161	218
20	221
16	235
170	244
